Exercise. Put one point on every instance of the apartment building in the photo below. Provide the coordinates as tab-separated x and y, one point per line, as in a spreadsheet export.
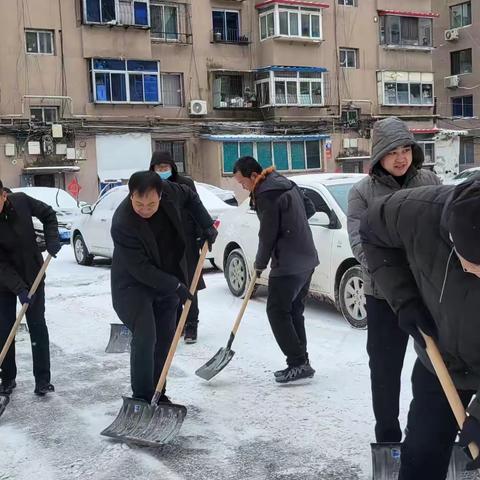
457	69
89	88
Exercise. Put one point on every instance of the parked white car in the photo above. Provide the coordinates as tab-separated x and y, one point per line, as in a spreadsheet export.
464	176
91	232
62	202
226	195
337	279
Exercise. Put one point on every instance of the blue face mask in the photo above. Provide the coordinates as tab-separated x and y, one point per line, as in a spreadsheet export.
165	175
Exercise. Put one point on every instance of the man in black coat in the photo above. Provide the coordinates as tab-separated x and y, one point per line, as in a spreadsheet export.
149	270
285	238
20	262
423	249
162	163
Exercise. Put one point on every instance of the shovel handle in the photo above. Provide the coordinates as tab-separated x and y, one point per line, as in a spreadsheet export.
181	324
20	315
448	387
246	299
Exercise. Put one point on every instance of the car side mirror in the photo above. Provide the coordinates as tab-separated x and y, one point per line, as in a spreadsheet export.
320	219
87	210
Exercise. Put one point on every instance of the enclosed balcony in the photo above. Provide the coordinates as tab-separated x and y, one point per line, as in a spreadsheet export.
233	90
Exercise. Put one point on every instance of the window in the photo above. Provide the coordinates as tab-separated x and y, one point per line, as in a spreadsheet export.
406	31
172	89
349	57
317	199
428	152
467	151
351	117
176	150
125	81
348	3
291	88
46	115
461	15
226	26
164	22
286	156
407	88
39	41
462	106
123	12
461	61
233	91
291	21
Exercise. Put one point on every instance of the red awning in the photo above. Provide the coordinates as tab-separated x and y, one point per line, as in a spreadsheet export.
401	13
300	3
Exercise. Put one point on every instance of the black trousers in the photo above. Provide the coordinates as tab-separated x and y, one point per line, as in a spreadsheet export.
153	329
431	428
285	307
38	335
386	346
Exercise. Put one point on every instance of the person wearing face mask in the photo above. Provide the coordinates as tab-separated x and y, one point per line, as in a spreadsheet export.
422	247
162	163
396	164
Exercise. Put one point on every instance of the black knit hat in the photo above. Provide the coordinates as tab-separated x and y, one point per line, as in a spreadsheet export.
159	157
464	220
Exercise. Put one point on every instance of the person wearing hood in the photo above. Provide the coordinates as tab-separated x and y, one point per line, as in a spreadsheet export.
284	238
162	163
423	251
396	164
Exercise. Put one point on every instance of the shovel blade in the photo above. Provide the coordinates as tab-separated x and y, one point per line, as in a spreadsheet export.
4	399
120	338
216	364
145	424
386	462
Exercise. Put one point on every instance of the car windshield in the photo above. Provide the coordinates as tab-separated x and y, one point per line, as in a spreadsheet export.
340	194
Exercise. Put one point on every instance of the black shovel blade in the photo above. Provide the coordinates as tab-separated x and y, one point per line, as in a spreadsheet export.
140	422
4	399
216	364
120	338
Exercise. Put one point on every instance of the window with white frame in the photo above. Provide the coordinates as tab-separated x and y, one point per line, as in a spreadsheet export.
39	41
461	15
172	89
406	88
348	3
125	81
122	12
406	31
46	115
291	21
290	155
349	57
428	148
164	21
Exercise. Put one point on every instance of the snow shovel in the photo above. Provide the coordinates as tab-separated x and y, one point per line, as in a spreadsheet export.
4	399
153	424
386	456
120	338
222	358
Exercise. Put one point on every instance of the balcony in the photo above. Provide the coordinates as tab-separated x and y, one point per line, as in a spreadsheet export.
229	36
170	23
234	90
123	13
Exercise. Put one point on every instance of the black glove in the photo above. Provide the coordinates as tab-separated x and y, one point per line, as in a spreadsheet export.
470	433
53	248
209	235
258	270
24	298
183	293
415	315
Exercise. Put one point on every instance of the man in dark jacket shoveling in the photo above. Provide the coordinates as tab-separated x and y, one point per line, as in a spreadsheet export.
149	271
285	238
423	250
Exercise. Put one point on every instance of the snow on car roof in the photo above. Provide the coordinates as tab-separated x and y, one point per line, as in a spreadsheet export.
327	178
55	197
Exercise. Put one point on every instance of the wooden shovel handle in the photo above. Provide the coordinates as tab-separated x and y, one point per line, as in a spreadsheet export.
181	324
20	315
248	294
448	387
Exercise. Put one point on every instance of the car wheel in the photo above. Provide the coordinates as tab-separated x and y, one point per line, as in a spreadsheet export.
82	255
351	298
237	274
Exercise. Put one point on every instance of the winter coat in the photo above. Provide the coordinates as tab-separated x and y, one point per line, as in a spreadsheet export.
136	274
191	228
20	257
388	134
284	235
410	255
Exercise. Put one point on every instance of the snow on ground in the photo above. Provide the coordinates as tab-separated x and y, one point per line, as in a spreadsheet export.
239	426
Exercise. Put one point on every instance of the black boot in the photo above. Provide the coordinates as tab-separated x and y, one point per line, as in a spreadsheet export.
6	387
296	373
43	388
191	334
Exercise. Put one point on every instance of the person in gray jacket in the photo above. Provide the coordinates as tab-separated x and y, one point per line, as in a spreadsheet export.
395	164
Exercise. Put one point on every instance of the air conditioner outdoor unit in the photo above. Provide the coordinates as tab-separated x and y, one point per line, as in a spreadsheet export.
452	34
198	107
452	82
